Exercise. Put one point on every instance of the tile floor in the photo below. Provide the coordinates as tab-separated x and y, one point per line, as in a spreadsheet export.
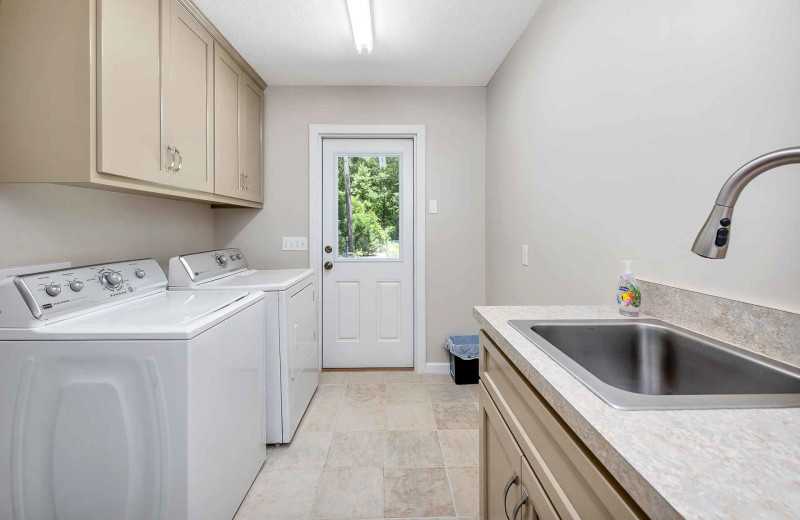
375	445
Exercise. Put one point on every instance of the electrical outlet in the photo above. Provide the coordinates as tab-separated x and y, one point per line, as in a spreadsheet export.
524	254
433	206
295	243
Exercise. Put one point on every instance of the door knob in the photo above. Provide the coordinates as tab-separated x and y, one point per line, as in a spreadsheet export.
328	249
328	266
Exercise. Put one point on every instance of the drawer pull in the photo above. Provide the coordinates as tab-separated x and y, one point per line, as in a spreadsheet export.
511	481
518	505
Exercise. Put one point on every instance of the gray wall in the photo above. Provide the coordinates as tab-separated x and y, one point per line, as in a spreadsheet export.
611	127
455	127
41	223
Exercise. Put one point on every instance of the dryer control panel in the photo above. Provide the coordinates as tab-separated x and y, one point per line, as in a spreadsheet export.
202	267
67	291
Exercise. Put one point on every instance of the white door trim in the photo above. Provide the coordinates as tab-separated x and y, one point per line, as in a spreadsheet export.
416	132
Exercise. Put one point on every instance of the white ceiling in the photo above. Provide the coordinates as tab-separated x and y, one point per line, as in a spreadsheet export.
417	42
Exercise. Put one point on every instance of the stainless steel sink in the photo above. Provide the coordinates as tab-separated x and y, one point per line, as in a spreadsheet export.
649	364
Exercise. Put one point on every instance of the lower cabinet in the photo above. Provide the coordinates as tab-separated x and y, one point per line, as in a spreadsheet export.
509	488
532	466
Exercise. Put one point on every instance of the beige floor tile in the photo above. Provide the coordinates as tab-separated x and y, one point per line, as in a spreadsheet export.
330	392
280	494
410	416
366	391
450	394
306	451
440	379
367	376
408	449
356	449
406	377
362	416
318	420
407	393
456	416
336	378
474	390
416	492
459	448
464	483
349	493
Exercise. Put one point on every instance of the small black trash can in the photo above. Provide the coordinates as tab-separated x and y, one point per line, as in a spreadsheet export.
463	359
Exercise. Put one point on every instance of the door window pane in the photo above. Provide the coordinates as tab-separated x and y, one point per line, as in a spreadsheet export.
369	206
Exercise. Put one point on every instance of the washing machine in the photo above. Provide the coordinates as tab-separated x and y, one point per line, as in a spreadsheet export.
120	399
292	355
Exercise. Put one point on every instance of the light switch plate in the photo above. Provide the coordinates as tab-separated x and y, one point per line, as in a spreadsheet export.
433	206
524	254
295	243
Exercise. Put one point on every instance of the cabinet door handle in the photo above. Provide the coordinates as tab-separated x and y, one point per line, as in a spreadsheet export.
180	160
511	481
246	182
171	152
241	181
518	505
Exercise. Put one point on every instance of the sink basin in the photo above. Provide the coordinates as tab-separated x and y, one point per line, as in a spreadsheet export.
650	364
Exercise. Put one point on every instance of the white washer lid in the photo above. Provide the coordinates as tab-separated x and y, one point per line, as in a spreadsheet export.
166	315
257	280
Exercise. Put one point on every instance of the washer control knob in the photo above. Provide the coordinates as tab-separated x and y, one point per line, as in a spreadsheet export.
221	260
76	285
140	273
239	256
112	279
53	289
233	257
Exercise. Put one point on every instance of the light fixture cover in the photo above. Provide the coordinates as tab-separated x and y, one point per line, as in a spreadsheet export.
361	23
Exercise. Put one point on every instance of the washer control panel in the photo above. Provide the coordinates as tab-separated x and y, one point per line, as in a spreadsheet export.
63	291
212	264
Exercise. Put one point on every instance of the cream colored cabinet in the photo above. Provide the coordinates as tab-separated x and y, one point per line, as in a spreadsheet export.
558	477
237	130
228	81
252	156
129	140
238	107
122	97
189	102
500	463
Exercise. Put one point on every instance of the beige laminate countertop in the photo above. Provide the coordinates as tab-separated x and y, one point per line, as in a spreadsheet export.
741	463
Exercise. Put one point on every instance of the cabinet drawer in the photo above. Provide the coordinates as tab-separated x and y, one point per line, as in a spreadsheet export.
575	482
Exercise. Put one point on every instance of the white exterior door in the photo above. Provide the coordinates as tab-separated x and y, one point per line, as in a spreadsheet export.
368	253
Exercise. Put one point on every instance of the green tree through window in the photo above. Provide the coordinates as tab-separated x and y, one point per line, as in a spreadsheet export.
369	206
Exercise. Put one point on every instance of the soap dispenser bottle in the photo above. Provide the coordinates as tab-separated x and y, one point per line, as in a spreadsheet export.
628	296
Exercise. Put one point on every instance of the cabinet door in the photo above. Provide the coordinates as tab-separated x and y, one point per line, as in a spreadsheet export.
189	101
500	463
252	110
228	84
129	89
533	503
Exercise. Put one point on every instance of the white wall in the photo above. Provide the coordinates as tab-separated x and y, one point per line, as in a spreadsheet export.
455	127
41	223
611	127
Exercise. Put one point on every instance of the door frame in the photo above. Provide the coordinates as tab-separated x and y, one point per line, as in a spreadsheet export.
316	133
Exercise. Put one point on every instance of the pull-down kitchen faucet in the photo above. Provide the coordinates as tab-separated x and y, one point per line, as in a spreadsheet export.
712	240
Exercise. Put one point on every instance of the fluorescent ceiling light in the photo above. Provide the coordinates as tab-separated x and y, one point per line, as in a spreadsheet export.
361	22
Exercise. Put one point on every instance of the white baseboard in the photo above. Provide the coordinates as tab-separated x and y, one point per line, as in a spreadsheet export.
437	368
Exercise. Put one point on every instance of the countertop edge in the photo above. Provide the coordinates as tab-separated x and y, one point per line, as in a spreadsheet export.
640	490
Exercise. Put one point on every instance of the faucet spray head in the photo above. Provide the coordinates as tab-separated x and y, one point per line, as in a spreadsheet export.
713	238
712	241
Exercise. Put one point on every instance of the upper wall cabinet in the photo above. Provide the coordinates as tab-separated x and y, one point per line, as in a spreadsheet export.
124	97
238	104
252	156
